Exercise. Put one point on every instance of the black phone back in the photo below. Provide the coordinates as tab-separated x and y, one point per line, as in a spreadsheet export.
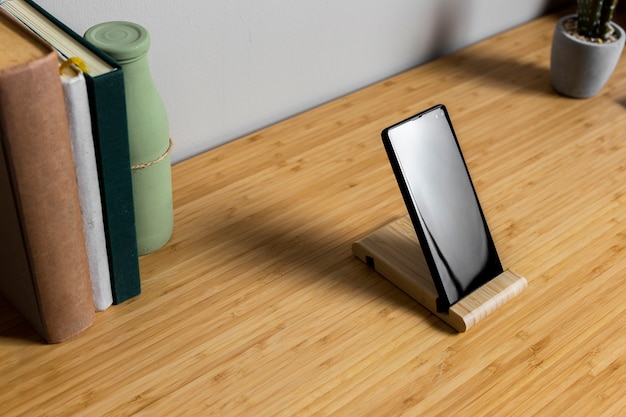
442	203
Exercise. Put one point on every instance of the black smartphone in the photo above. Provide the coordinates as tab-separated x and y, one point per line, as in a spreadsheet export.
442	203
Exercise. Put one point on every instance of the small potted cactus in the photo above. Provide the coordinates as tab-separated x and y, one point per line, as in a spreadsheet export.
585	49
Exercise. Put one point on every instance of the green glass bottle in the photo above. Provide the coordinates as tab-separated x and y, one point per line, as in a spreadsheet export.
148	131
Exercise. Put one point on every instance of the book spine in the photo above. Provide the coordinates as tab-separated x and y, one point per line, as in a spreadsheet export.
37	150
79	119
108	117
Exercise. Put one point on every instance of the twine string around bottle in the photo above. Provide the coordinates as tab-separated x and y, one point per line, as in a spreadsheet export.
154	161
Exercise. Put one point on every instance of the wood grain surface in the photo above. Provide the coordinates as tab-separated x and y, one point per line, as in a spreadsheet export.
257	306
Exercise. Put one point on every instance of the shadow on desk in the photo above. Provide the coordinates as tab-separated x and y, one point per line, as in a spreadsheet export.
511	73
14	330
310	253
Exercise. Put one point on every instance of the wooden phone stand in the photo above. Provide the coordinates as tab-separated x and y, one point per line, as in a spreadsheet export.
394	252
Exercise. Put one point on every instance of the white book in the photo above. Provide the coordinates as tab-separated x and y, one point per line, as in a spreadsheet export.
79	119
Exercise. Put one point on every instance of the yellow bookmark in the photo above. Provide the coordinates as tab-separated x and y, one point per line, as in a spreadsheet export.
74	61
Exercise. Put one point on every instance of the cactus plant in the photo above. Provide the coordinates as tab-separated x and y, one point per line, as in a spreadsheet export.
594	19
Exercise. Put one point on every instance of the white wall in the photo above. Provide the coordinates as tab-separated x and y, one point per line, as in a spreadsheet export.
228	67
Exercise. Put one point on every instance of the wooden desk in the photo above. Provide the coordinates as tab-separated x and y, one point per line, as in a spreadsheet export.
257	306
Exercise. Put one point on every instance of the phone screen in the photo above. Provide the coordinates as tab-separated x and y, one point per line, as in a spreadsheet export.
442	203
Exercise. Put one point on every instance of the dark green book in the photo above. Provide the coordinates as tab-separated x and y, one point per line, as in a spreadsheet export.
105	87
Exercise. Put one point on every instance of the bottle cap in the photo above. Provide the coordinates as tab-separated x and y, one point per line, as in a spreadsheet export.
123	41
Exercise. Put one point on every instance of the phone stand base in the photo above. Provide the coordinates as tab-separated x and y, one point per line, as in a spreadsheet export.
394	252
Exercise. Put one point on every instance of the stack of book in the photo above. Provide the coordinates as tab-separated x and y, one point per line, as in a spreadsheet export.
68	246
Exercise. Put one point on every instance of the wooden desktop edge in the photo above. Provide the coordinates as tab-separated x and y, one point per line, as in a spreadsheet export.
393	251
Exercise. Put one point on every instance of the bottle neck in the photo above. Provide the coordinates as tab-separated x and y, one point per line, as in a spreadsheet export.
137	69
139	59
